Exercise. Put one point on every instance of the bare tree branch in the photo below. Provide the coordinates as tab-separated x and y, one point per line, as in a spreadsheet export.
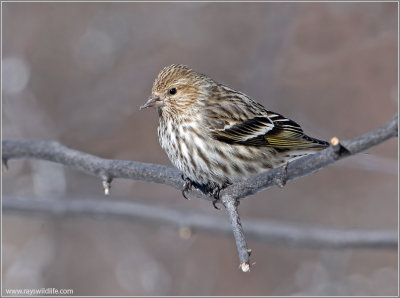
107	169
267	231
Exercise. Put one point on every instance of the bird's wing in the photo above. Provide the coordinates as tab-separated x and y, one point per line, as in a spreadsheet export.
234	122
269	129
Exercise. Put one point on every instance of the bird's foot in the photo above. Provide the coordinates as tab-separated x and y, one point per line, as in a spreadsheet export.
215	193
186	186
209	188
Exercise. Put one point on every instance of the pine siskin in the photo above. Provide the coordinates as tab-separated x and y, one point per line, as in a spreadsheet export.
216	135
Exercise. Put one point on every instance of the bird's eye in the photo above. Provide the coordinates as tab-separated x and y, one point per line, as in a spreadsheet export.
172	91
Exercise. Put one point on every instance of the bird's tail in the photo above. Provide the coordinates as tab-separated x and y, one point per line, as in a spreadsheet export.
304	146
314	143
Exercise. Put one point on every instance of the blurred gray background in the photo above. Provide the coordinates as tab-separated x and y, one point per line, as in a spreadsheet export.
78	72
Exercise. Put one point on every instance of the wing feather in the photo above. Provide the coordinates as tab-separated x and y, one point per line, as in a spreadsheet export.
249	132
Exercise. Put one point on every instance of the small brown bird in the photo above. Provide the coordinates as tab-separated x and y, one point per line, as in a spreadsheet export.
216	135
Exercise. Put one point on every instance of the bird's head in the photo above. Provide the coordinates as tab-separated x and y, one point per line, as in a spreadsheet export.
177	88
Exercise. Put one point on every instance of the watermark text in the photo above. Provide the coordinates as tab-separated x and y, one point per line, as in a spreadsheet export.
39	292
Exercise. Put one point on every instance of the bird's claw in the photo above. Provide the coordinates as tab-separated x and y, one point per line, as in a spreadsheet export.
186	186
216	200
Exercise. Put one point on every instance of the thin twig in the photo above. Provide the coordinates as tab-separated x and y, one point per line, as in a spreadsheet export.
231	206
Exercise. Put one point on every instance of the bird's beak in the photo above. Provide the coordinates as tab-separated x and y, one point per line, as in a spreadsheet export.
153	101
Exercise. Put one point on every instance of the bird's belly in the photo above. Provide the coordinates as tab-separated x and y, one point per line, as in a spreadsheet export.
205	160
